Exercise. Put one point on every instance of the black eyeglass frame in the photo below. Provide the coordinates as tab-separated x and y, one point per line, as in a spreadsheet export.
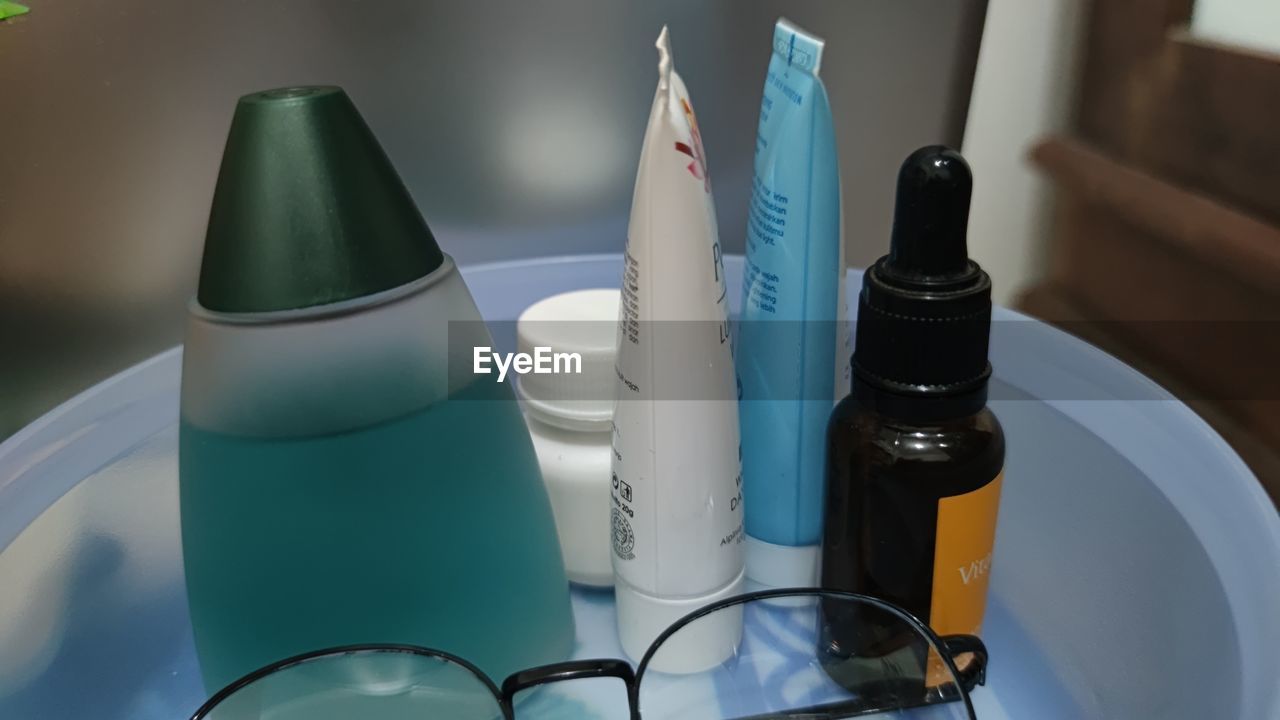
974	674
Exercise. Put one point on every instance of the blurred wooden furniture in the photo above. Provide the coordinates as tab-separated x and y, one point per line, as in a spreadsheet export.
1166	250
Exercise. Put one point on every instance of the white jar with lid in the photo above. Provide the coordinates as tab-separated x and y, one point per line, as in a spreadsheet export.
570	416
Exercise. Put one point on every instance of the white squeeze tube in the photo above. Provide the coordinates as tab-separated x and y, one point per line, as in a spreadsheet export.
676	499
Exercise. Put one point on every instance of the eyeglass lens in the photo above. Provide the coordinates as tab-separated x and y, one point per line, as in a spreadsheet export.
364	685
833	657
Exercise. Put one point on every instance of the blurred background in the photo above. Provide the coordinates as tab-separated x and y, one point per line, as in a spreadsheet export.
1126	160
516	125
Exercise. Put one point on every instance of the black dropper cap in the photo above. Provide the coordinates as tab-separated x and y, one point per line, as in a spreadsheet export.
924	314
308	210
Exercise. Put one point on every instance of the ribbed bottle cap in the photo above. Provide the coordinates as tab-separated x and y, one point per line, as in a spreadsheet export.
307	210
582	322
924	314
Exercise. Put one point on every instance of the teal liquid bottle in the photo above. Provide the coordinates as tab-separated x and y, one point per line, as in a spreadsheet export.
338	486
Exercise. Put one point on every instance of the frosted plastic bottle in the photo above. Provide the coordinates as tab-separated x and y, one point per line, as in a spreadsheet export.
336	486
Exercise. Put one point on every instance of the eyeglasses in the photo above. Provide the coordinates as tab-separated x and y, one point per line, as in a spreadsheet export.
801	655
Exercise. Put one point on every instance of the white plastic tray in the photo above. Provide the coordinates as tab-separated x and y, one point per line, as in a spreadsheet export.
1137	564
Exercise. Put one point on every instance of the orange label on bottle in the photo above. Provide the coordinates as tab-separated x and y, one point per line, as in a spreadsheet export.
962	561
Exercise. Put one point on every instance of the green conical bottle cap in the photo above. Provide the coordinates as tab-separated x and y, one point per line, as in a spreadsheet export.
308	209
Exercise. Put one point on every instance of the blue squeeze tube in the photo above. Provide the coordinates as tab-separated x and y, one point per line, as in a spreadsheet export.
792	354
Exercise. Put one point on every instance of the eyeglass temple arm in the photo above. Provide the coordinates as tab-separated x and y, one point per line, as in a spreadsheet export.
839	710
975	673
833	711
571	670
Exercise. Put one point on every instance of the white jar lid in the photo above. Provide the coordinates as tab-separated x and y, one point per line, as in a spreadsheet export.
582	322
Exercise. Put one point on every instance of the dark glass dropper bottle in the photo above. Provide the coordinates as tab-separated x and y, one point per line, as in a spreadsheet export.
914	456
